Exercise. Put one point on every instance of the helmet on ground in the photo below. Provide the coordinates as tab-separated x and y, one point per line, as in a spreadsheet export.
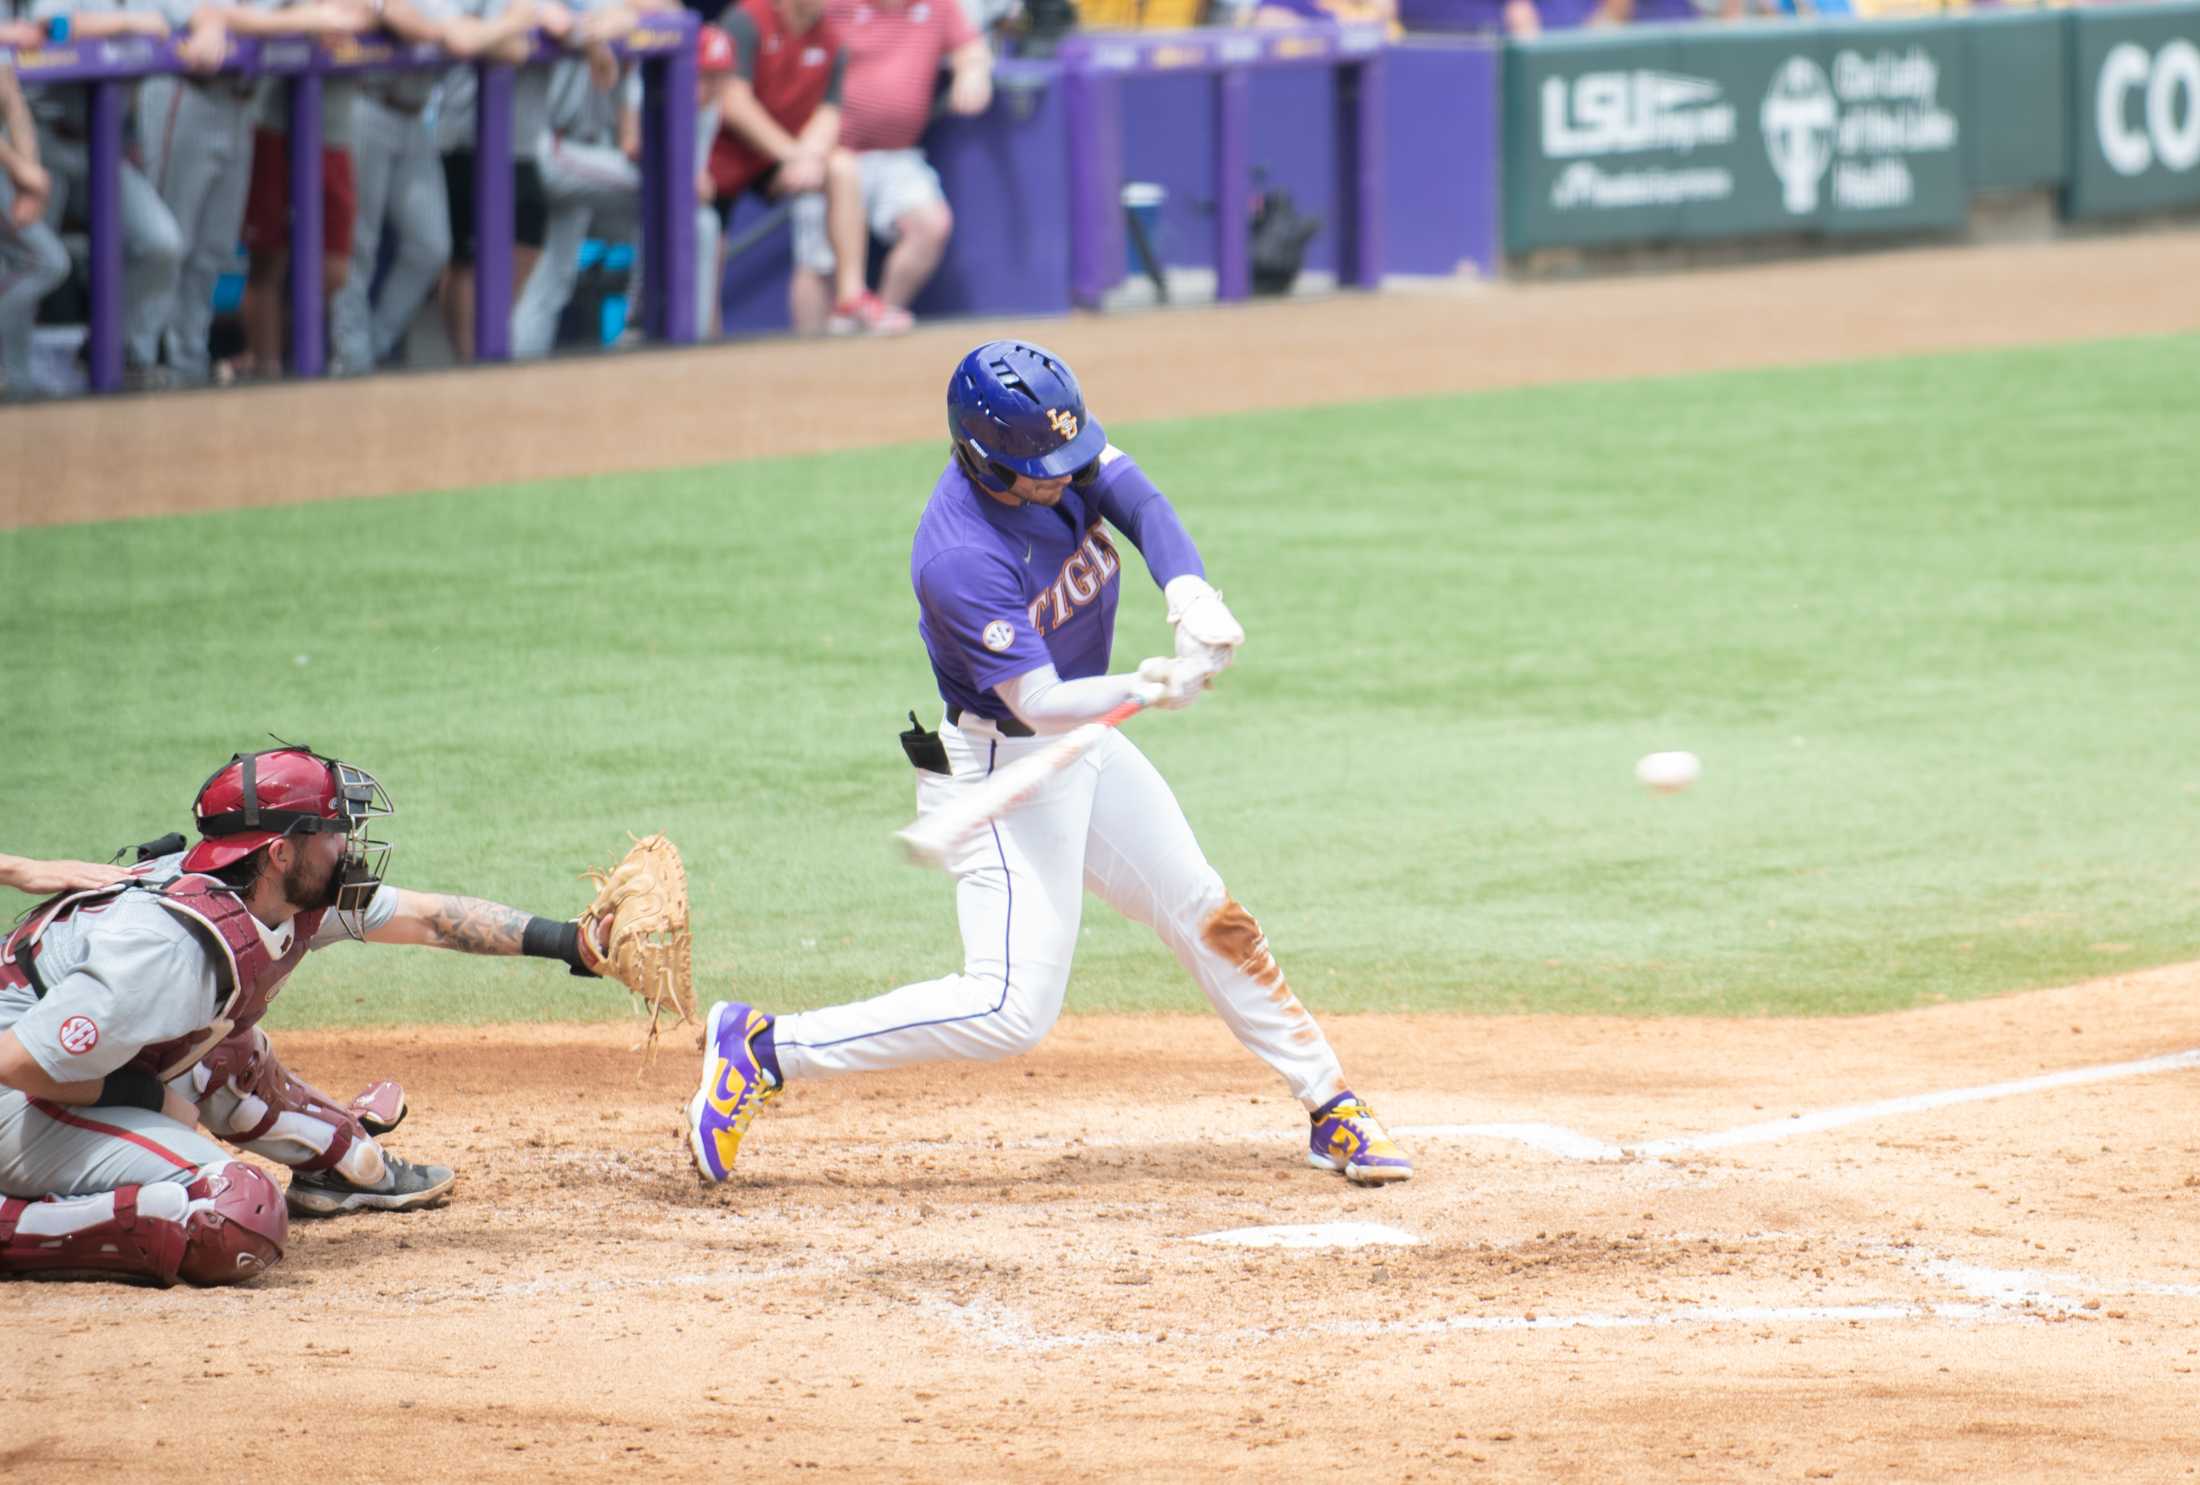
259	797
1013	408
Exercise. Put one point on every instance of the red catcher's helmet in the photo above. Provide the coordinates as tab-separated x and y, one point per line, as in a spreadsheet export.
258	797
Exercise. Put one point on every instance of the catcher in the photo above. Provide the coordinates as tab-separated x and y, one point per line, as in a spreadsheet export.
129	1028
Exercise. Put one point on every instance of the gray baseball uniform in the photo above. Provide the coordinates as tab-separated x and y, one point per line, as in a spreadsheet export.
400	182
593	186
130	975
152	246
32	262
454	110
197	137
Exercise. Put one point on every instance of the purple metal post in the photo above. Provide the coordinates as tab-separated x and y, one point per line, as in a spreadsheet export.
1233	183
676	195
307	326
104	211
657	229
1363	86
493	213
1077	86
1092	106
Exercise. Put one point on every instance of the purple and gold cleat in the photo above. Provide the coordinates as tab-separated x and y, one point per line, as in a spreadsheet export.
734	1083
1349	1138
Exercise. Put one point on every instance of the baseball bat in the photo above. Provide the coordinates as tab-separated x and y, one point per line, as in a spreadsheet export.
931	839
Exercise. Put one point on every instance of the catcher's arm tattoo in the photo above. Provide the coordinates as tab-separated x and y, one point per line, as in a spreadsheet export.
468	924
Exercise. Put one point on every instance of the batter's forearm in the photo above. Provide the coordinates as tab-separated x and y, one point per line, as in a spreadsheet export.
1044	702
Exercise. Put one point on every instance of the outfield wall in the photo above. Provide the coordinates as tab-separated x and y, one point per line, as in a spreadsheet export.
1840	129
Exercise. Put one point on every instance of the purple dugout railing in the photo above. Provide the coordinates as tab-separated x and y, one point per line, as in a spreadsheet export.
664	45
1093	67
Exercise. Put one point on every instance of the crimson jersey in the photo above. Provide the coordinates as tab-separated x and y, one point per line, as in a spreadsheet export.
791	74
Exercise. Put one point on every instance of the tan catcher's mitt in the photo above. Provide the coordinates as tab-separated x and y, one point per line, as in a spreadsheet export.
636	931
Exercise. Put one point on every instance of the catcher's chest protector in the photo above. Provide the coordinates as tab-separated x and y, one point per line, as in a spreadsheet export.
249	974
241	959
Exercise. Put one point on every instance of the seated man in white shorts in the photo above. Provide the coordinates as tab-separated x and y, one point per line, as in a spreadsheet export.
895	50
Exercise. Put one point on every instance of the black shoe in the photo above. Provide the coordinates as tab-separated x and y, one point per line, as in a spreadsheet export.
406	1187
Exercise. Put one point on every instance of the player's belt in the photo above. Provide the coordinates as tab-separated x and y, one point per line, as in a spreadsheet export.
1006	726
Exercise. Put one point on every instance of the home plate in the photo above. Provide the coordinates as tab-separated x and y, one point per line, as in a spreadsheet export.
1313	1235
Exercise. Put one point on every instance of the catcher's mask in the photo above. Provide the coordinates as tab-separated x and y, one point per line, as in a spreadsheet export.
258	797
1013	408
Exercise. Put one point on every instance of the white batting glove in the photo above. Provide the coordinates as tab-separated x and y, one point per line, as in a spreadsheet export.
1206	631
1174	683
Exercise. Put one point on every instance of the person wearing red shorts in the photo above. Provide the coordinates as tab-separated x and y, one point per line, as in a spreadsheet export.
267	216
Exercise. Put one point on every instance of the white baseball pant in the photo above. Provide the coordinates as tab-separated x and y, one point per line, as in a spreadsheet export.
32	263
400	181
152	247
1110	825
198	151
595	187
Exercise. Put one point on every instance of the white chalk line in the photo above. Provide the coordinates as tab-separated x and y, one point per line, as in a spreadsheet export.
1569	1144
1992	1296
1779	1129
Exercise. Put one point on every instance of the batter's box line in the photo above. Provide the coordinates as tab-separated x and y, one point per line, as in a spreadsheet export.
1570	1145
1994	1296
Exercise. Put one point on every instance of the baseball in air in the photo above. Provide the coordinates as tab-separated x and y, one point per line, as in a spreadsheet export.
1668	773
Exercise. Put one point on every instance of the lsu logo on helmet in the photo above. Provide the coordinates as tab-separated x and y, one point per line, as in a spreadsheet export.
1064	423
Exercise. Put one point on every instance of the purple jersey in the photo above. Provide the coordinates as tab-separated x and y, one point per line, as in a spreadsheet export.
1003	590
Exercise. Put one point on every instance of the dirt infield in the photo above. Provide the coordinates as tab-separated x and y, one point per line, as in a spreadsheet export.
1010	1272
156	455
1951	1243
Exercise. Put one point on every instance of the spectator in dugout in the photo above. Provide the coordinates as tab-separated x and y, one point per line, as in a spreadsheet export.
152	242
197	135
895	49
779	135
32	260
497	31
267	199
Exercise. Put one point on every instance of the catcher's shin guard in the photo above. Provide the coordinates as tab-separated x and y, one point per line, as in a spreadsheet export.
224	1226
246	1096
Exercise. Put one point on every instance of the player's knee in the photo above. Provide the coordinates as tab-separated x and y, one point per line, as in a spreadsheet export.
52	267
159	244
929	225
841	165
235	1226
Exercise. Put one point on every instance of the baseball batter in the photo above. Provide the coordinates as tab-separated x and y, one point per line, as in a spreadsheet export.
1016	579
128	1021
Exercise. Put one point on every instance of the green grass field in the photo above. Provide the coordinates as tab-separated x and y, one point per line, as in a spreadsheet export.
1930	623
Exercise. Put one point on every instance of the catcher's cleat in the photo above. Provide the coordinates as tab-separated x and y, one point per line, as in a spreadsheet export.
407	1186
1348	1137
734	1083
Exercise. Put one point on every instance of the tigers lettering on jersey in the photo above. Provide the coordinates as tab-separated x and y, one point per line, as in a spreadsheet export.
1088	571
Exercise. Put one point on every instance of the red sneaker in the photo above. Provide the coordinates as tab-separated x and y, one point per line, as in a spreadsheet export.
867	314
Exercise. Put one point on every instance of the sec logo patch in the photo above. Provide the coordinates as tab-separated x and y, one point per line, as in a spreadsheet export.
998	636
78	1035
